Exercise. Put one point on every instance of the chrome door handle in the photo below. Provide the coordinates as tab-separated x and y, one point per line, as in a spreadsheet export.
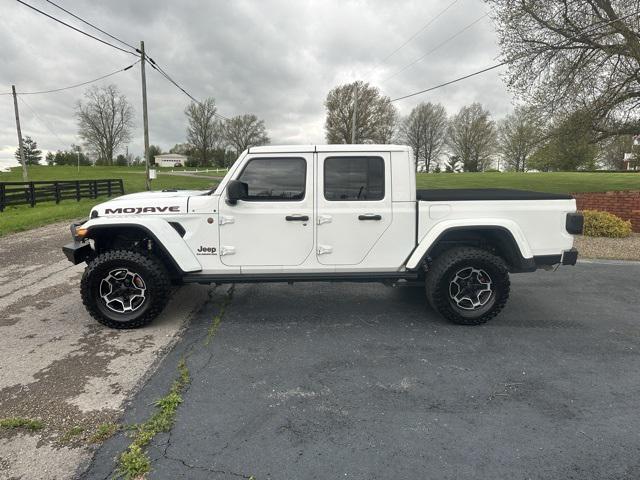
369	216
297	218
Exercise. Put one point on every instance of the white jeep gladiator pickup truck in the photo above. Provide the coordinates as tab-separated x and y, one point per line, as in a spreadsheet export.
320	213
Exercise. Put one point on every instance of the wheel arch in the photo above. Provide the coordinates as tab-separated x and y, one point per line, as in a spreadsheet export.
166	239
498	239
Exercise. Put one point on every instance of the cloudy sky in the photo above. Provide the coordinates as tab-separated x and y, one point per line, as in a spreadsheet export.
277	59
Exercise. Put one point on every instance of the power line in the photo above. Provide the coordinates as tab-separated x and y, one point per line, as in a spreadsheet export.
511	60
92	25
451	81
150	60
45	124
458	33
160	70
76	29
415	34
77	84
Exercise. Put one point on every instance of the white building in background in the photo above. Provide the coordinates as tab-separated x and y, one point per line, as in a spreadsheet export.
170	160
630	161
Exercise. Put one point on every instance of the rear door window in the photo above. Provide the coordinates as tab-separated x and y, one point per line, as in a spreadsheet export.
353	178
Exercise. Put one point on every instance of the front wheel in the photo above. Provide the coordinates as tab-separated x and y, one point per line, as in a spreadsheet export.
468	285
125	288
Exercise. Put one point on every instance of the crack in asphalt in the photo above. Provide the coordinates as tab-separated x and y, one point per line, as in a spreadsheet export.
203	340
210	470
166	456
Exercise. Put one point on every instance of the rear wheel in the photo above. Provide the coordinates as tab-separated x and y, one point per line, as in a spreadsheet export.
124	288
467	285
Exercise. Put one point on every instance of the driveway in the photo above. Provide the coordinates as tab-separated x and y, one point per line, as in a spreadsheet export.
365	382
60	367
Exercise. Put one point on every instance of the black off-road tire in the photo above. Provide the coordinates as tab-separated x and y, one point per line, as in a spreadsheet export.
443	271
150	269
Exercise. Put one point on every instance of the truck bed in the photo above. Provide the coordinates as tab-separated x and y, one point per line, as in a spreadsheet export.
466	194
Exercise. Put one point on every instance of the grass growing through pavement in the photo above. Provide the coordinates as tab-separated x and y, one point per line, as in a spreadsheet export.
71	434
215	324
23	217
21	422
134	462
103	432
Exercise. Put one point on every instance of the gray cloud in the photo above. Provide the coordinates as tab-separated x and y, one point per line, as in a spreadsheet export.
277	59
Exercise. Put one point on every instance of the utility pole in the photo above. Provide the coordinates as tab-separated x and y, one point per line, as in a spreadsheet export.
78	152
355	114
25	175
145	118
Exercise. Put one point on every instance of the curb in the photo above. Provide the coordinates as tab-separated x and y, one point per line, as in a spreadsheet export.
604	261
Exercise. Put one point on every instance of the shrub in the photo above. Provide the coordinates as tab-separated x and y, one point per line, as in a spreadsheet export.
605	224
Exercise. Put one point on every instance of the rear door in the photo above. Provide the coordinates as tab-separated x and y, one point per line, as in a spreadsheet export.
354	207
274	225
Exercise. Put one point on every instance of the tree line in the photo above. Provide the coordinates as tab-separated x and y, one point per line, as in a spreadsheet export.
105	122
471	140
572	66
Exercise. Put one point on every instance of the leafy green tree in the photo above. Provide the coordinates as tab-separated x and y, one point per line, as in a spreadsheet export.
32	155
182	149
121	160
70	157
153	151
570	145
614	149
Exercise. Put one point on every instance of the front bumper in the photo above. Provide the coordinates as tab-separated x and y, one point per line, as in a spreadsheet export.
77	252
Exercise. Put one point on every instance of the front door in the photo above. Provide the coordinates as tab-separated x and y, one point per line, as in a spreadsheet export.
274	225
353	205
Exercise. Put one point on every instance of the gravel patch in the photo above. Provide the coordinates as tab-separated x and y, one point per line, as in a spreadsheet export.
611	248
59	366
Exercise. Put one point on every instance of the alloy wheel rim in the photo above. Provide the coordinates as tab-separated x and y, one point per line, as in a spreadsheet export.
123	291
471	288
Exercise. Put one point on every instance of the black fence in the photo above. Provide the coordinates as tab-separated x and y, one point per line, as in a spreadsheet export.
31	193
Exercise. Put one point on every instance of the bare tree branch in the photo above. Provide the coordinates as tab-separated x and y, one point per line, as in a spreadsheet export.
105	120
570	55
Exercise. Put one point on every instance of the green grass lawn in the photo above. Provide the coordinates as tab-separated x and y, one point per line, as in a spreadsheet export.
20	218
557	182
23	217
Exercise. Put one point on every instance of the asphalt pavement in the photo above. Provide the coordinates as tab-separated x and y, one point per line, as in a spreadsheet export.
361	381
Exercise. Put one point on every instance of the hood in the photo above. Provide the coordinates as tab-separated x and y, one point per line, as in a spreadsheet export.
147	203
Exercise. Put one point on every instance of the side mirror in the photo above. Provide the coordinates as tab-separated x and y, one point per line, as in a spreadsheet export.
236	190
